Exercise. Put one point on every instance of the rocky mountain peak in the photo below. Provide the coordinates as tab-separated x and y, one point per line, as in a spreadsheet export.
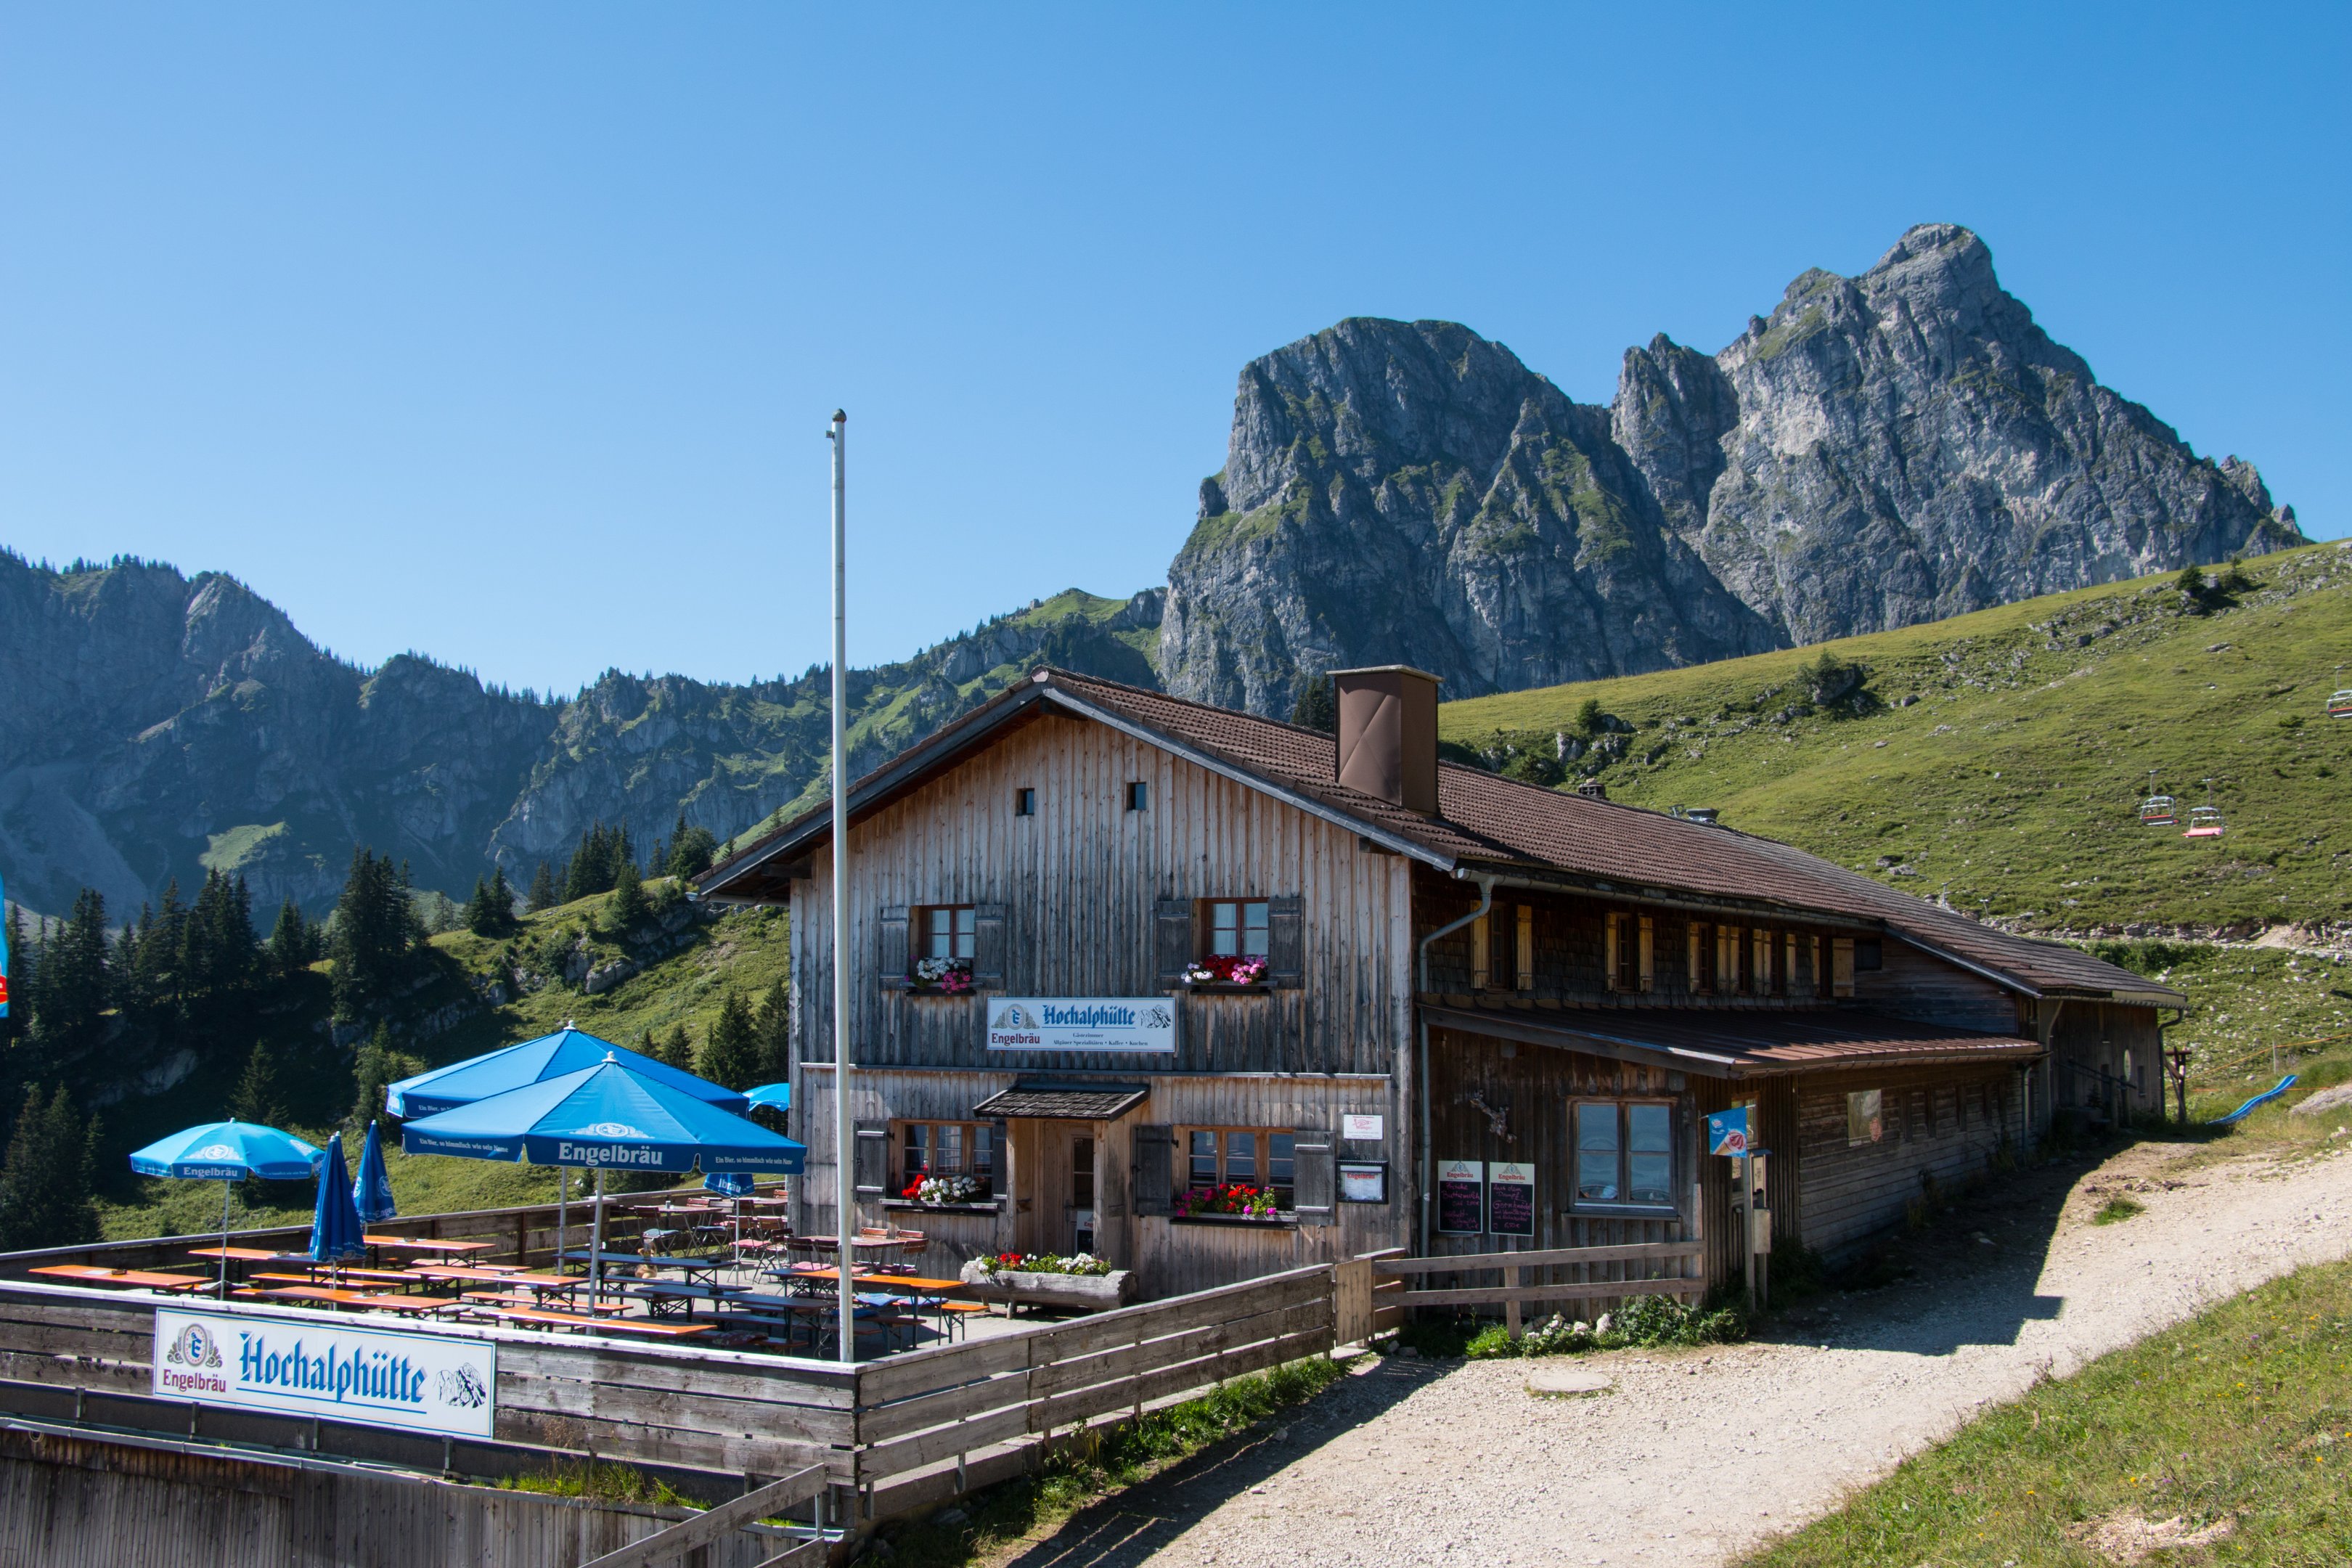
1897	445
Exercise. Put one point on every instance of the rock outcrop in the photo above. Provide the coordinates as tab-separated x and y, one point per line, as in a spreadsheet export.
1881	450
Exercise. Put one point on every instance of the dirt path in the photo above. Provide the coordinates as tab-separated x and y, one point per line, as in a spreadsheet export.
1696	1456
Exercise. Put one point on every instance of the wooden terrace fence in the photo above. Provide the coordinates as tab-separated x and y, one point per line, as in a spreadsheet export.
1673	1262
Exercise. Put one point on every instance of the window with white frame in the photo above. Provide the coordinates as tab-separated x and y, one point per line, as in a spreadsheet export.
1624	1155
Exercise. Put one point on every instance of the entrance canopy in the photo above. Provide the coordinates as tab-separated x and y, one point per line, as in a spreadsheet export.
1080	1102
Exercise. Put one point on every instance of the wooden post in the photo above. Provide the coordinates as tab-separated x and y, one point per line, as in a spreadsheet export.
1511	1278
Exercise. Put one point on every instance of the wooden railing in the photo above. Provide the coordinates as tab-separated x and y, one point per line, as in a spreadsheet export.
1632	1264
921	1410
523	1233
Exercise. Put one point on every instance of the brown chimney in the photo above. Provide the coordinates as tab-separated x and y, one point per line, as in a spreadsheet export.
1388	734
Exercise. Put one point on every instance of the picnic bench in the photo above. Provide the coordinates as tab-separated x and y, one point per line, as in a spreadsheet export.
140	1278
539	1317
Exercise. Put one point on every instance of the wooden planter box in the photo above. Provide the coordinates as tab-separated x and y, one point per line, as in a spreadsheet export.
1088	1292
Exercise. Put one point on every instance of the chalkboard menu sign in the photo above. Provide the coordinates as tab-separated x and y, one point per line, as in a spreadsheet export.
1511	1200
1461	1197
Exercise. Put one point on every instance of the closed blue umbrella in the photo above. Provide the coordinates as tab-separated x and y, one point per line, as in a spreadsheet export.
335	1222
372	1190
567	1050
609	1117
227	1152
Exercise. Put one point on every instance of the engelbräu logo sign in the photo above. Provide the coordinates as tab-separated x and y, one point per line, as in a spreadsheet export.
422	1382
1123	1024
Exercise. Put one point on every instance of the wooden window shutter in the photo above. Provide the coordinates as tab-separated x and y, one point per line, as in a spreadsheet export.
1608	953
1479	949
1841	966
1171	939
1286	942
1315	1176
1523	961
892	964
1649	965
870	1169
1154	1184
1726	960
1761	958
1694	929
988	947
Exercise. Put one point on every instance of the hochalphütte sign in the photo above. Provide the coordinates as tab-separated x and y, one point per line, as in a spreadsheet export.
428	1382
1133	1024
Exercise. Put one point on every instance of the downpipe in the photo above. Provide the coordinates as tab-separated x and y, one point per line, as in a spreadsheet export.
1420	1014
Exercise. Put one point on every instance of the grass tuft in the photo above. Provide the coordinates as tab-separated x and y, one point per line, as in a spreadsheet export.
2116	1210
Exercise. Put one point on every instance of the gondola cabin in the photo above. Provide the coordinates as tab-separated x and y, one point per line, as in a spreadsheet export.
2340	704
1211	996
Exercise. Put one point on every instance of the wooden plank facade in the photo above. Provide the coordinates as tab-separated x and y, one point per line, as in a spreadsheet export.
1073	839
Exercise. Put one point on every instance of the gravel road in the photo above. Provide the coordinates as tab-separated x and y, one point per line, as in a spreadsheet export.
1695	1456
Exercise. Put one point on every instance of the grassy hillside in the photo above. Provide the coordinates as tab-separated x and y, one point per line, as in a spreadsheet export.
449	1016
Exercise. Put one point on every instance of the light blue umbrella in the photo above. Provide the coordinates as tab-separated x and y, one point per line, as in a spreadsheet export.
609	1117
732	1183
567	1050
334	1222
227	1152
371	1191
773	1096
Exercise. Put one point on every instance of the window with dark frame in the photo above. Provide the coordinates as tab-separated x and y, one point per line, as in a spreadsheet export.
1235	928
944	931
1262	1157
1869	953
946	1149
1627	944
1138	796
1024	803
1624	1155
1703	948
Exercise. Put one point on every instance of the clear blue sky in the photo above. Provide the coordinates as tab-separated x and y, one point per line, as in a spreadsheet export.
507	333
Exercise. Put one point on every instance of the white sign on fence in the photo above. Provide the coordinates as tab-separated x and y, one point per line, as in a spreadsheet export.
1124	1024
426	1383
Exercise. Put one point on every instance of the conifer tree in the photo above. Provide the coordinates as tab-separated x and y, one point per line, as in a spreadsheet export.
691	850
479	918
503	899
542	889
45	1179
375	1067
626	908
291	941
374	930
730	1056
775	1026
257	1097
77	981
678	1052
1318	706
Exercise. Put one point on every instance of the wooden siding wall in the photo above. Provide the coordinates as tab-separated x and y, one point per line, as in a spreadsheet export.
1531	1088
1078	883
1910	984
1173	1255
2097	1037
1571	948
1940	1122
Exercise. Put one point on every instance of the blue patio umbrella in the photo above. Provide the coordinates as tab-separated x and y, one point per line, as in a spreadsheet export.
607	1117
227	1152
772	1096
335	1222
732	1183
567	1050
372	1190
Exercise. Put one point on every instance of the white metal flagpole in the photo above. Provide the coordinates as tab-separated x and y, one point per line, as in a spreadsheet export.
845	1222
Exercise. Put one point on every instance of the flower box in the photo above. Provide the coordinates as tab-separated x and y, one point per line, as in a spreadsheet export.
1087	1292
989	1206
1242	1222
1248	1206
940	977
1220	973
1228	988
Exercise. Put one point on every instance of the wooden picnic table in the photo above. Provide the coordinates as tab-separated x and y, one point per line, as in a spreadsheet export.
139	1279
688	1266
429	1244
601	1325
533	1303
655	1292
326	1293
454	1273
236	1254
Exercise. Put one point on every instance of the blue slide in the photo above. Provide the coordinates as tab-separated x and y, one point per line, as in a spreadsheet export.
2263	1099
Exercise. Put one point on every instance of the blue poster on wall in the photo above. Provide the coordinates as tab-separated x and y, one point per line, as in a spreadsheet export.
4	949
1726	1133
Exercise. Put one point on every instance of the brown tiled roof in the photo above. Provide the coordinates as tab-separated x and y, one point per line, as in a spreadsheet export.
1744	1044
1484	823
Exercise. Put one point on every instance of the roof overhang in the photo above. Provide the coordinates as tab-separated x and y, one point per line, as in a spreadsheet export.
1065	1102
1875	1042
